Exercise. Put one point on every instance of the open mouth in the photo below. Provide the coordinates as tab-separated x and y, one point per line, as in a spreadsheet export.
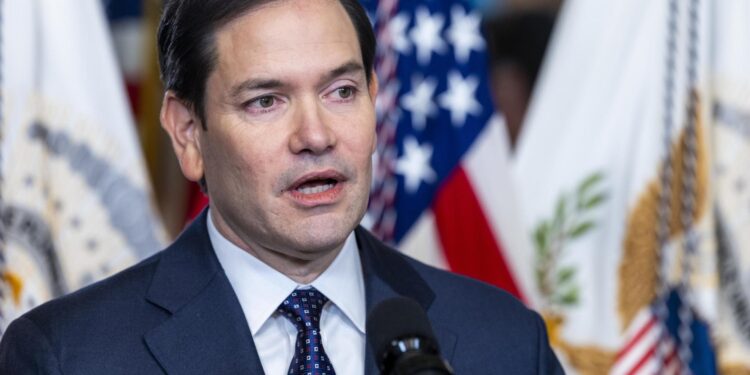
318	186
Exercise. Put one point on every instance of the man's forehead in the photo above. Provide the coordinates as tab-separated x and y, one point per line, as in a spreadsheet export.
289	39
308	21
283	6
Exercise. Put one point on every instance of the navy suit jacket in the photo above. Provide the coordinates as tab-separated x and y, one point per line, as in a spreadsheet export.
176	313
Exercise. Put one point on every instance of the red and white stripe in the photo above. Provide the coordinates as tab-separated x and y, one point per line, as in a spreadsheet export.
383	195
640	353
473	227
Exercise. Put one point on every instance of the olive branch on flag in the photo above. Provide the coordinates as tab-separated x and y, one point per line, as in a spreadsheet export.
571	220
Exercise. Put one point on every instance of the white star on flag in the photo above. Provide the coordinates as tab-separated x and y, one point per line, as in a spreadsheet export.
419	100
459	98
397	32
464	33
414	164
426	35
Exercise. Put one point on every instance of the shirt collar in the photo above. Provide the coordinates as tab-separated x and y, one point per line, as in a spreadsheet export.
343	283
261	289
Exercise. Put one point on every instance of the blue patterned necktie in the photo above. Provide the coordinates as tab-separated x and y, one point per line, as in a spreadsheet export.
303	308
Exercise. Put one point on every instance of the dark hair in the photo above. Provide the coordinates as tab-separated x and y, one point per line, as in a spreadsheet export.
187	51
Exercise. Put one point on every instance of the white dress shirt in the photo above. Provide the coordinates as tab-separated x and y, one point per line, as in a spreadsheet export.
261	289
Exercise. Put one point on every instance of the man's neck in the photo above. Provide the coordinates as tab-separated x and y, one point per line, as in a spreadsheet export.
301	270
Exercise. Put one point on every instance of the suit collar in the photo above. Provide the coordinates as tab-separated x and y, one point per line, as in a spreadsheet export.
207	332
387	275
185	268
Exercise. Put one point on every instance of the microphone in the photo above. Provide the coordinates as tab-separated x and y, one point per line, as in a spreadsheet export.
401	336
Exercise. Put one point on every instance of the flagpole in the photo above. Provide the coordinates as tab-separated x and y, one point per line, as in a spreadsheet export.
689	189
665	196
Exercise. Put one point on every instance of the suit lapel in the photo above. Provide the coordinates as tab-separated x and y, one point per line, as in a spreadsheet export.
387	274
207	332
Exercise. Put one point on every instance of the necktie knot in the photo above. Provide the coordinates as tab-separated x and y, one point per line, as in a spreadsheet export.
303	308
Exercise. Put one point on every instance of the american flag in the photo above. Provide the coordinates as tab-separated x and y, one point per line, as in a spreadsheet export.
657	345
438	137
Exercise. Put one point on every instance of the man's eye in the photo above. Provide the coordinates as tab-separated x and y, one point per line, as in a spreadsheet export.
345	92
265	102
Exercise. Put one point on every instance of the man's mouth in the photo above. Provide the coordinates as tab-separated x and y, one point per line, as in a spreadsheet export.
318	188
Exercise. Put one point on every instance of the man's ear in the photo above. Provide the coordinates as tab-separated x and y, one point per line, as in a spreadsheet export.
373	86
183	127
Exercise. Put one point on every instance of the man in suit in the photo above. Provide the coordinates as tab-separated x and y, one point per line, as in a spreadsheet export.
270	105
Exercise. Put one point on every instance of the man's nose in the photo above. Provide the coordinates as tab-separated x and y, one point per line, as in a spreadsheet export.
311	132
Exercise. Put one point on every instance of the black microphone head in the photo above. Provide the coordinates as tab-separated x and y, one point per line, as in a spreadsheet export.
398	328
397	318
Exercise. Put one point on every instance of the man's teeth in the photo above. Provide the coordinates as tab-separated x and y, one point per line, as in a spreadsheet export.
315	189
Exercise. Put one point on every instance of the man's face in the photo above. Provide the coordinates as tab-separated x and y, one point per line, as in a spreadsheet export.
291	128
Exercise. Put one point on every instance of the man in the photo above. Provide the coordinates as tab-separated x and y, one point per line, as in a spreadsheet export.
270	104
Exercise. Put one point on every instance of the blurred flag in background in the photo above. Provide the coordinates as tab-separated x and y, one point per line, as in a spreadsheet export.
76	202
730	109
631	172
442	191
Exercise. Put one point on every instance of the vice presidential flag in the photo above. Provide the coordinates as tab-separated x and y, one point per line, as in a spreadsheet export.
731	133
441	190
76	203
614	177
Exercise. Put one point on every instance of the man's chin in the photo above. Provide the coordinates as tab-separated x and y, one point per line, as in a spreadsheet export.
320	238
319	244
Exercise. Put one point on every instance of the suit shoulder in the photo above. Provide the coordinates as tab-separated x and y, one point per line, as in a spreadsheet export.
126	288
496	322
449	286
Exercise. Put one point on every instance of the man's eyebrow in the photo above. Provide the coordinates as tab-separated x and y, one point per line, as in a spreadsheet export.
255	84
267	84
346	68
